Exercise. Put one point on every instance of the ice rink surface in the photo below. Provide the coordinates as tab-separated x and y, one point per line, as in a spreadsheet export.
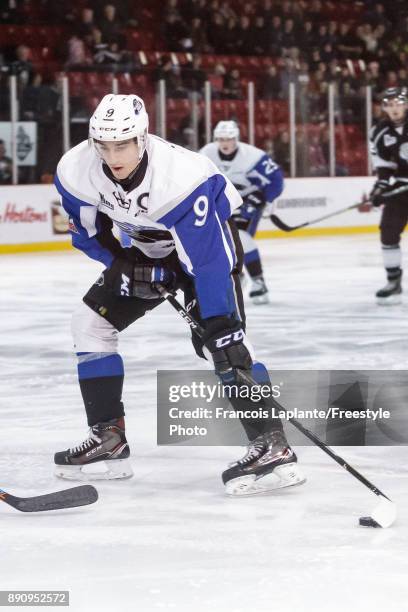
169	539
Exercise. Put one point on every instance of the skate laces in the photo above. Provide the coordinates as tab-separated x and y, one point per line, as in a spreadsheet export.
254	450
86	444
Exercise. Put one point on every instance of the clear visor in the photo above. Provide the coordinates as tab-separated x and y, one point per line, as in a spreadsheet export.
398	101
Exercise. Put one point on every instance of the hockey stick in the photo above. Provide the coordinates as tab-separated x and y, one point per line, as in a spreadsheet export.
68	498
385	513
290	228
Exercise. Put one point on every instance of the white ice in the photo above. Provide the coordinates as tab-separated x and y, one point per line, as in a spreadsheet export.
169	539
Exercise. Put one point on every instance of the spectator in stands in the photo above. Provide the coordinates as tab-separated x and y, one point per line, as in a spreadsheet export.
215	32
282	151
349	45
175	32
110	25
333	33
391	79
322	35
288	75
5	165
260	37
198	36
171	75
8	12
289	35
373	77
377	16
232	88
39	100
245	38
307	37
78	57
231	35
275	36
195	8
85	26
194	76
217	80
271	84
190	136
22	66
327	53
227	11
172	8
267	11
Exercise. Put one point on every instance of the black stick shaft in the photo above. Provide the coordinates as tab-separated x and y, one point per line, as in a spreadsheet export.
290	228
315	439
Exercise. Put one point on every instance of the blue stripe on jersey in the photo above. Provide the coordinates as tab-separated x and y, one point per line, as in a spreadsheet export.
79	235
213	188
203	247
267	175
110	365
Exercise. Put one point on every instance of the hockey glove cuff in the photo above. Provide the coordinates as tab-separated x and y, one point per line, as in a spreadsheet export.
376	195
139	280
224	339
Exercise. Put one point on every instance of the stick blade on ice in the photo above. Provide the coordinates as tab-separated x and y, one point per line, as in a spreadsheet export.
67	498
385	513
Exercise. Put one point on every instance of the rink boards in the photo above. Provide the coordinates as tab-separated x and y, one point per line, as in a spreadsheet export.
31	218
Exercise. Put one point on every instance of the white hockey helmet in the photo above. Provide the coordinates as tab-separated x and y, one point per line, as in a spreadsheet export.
120	117
226	129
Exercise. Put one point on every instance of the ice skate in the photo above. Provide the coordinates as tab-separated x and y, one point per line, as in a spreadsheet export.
259	292
269	464
391	293
102	456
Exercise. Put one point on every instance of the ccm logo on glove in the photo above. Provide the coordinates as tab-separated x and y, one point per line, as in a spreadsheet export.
229	338
124	287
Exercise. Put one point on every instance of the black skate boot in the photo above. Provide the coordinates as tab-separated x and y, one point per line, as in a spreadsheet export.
391	293
259	291
269	464
106	447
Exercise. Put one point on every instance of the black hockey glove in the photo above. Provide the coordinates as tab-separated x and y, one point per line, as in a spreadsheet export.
128	279
224	339
255	198
377	192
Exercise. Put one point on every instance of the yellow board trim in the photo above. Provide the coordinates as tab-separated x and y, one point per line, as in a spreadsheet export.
32	247
318	231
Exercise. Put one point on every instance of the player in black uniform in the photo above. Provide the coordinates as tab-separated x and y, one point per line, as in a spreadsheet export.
389	151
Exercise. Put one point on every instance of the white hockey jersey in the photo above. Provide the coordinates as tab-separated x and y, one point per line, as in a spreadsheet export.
182	202
250	170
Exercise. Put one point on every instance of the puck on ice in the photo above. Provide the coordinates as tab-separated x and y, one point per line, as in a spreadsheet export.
367	521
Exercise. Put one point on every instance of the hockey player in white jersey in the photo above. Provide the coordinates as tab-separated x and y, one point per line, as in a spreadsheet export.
259	180
176	208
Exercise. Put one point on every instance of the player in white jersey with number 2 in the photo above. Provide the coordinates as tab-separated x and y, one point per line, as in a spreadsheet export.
176	207
259	180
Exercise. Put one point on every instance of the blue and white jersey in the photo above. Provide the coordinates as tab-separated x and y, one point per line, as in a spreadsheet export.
251	170
183	202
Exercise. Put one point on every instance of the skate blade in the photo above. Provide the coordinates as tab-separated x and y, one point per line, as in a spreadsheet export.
393	300
288	475
259	300
101	470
